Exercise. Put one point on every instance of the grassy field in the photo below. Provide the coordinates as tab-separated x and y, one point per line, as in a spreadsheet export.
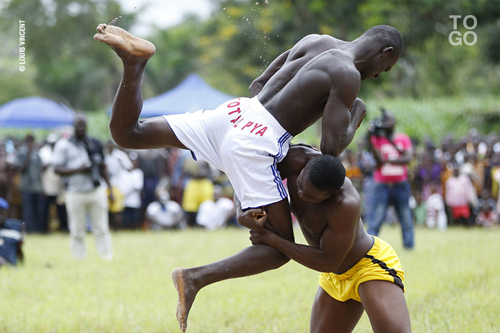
452	285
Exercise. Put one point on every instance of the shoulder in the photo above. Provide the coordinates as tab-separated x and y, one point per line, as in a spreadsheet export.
350	200
404	139
402	136
61	144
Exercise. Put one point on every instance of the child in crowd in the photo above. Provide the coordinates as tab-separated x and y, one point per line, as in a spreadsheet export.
436	216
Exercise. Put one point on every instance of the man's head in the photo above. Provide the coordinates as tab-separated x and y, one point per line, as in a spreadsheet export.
322	176
80	125
381	47
4	207
389	122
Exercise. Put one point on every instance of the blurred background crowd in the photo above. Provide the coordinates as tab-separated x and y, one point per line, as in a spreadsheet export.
151	189
454	181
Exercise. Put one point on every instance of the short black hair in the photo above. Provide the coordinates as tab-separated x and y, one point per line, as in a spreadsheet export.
387	36
326	172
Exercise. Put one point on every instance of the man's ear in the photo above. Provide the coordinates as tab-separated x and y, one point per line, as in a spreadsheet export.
387	51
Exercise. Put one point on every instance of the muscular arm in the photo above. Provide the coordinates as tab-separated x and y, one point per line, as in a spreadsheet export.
336	241
340	121
261	81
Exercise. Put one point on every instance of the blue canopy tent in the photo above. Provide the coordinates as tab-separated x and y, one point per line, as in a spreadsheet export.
35	112
190	95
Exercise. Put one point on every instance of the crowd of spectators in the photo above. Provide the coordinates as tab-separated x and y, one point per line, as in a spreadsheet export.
454	182
151	189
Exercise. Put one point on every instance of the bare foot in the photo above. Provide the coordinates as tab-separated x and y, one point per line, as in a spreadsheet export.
129	48
187	293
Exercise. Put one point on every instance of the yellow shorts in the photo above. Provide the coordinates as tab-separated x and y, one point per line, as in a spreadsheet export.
380	263
196	192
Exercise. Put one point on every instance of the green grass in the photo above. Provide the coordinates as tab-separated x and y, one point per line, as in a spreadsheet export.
452	285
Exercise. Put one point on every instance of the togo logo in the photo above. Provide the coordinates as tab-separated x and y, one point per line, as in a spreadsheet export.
469	38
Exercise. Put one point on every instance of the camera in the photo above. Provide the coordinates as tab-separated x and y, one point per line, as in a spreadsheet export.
96	161
378	127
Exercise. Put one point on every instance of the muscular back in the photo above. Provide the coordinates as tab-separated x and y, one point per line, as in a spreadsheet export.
297	93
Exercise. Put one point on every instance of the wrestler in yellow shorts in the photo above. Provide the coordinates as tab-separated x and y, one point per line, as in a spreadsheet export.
380	263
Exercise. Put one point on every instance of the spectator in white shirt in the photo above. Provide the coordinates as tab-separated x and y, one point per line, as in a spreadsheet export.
215	214
436	215
165	213
133	184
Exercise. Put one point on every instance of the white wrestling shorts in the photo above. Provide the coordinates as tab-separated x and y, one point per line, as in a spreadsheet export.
242	139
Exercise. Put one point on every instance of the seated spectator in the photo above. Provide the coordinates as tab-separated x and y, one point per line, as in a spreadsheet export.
487	216
460	195
165	214
436	215
214	214
11	237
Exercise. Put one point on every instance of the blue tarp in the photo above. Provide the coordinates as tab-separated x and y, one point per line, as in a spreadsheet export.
190	95
35	112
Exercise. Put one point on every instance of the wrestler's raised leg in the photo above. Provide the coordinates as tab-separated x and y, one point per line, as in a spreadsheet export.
134	53
251	260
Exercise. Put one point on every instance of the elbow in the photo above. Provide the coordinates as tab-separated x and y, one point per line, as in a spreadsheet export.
330	149
123	140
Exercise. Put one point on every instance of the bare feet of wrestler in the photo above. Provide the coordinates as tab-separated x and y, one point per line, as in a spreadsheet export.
187	293
131	49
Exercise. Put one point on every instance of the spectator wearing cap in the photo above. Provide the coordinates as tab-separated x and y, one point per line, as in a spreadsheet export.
11	237
392	152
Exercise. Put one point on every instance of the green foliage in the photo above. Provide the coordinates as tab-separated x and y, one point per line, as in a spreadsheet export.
52	292
236	43
68	62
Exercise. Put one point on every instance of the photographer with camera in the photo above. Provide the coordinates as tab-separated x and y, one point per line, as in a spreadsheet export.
80	160
392	153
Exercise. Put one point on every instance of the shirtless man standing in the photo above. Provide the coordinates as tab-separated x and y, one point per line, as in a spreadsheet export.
359	272
318	77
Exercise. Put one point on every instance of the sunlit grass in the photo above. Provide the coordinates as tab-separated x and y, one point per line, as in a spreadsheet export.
452	285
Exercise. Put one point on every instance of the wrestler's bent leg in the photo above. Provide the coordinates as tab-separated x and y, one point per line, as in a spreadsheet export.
385	305
329	315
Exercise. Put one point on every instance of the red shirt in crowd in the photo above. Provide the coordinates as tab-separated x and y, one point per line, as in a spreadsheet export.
391	173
